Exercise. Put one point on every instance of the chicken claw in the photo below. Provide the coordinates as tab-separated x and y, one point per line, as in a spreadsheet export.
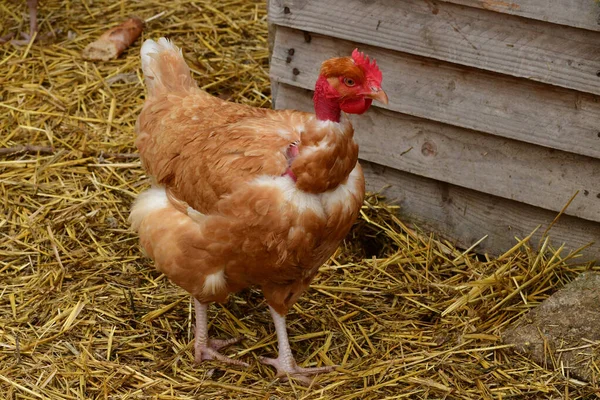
211	351
287	367
208	349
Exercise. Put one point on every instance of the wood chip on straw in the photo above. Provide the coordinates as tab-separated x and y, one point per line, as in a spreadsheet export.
114	41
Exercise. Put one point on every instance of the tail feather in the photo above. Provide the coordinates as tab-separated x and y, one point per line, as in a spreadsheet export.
164	68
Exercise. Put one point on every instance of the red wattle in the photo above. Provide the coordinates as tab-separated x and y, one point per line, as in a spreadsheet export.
356	106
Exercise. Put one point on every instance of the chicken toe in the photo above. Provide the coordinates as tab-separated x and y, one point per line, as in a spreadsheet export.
208	352
287	367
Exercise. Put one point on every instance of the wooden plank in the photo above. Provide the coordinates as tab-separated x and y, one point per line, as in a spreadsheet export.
507	168
578	13
464	216
474	99
531	49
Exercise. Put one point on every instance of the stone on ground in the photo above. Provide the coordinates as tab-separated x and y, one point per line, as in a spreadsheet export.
563	333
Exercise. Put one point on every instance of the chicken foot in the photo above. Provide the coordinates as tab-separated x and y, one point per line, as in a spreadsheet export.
285	363
33	27
208	349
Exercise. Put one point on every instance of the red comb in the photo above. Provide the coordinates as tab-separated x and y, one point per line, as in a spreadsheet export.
370	67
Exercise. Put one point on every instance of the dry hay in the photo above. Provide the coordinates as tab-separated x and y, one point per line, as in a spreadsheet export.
84	316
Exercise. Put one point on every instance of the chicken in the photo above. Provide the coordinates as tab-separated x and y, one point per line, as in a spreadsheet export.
245	196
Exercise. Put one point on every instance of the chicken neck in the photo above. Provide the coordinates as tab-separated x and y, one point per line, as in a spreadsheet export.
327	107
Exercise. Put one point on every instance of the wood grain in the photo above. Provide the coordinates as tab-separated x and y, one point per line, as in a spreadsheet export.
464	216
507	168
540	51
578	13
461	96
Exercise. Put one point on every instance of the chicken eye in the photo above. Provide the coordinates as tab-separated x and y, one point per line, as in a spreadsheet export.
349	82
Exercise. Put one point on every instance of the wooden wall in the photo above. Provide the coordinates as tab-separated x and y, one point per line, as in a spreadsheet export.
493	124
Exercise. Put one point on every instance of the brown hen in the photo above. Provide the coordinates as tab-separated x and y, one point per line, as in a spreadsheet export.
245	196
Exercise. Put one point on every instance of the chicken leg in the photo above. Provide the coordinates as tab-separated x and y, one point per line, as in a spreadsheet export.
208	349
285	363
33	22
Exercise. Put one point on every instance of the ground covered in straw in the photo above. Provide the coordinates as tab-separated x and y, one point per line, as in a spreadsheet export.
84	316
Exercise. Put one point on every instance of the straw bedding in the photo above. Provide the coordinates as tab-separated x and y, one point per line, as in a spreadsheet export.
83	315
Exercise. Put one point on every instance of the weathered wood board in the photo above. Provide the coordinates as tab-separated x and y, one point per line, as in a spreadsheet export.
469	98
579	13
540	51
464	216
502	167
494	115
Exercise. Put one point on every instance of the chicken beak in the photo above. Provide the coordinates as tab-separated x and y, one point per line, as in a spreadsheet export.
379	95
